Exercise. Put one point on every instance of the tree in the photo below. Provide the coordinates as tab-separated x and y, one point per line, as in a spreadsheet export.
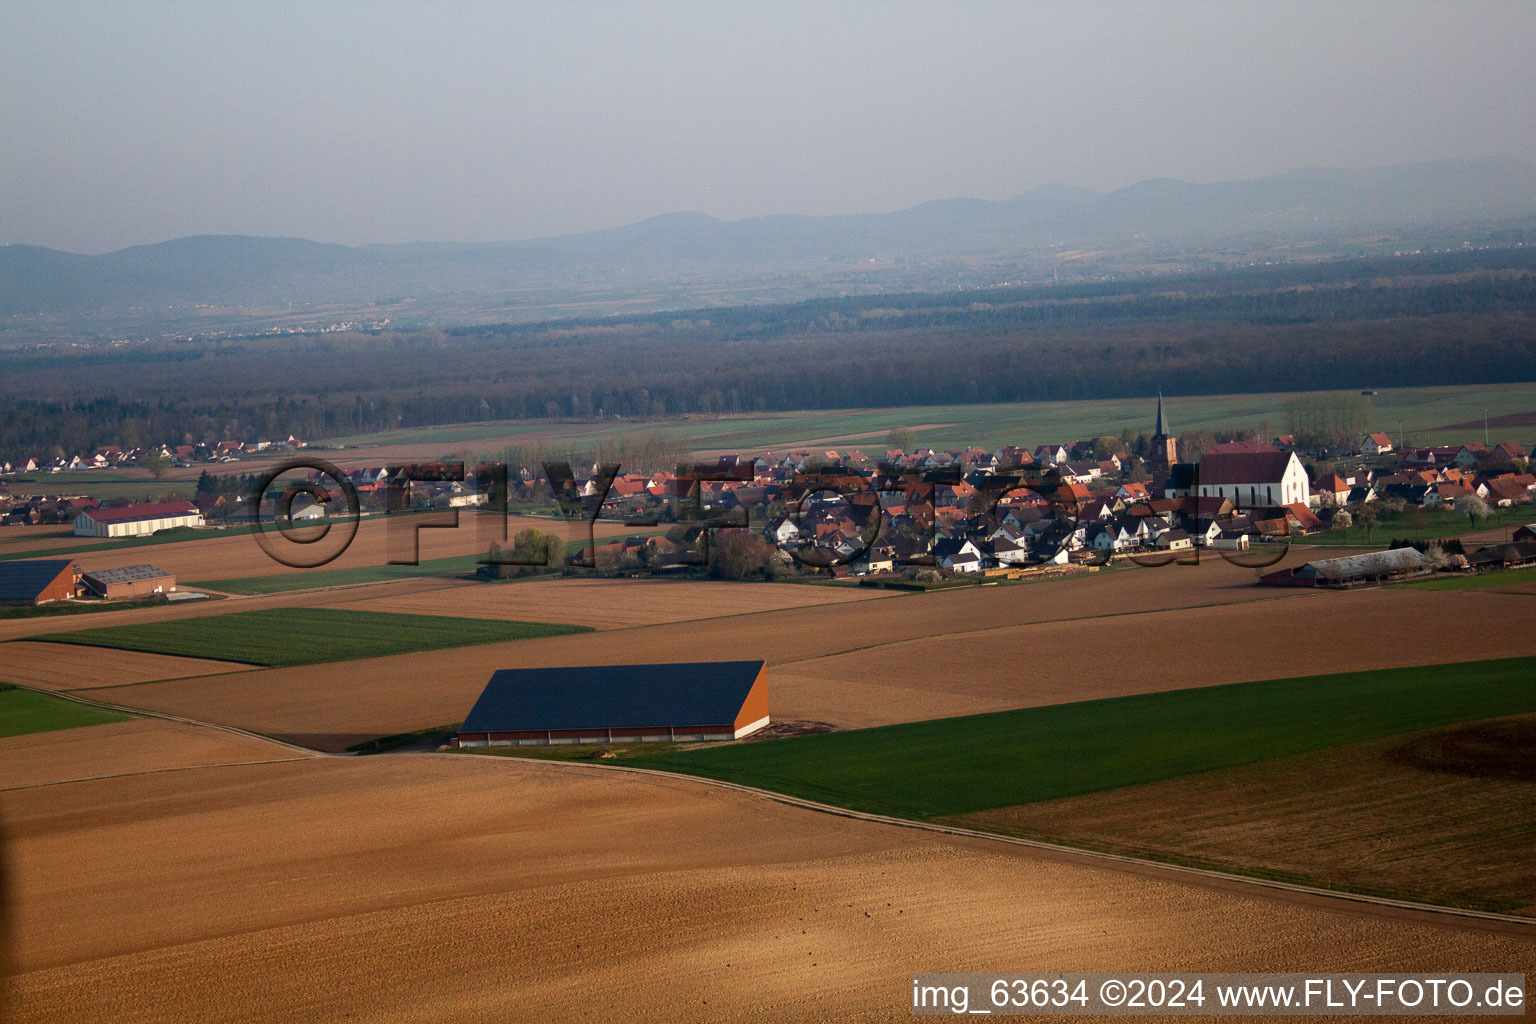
737	554
155	461
1366	518
1342	520
1473	507
902	438
1435	556
533	552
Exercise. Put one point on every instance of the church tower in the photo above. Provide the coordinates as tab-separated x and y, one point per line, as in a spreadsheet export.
1165	448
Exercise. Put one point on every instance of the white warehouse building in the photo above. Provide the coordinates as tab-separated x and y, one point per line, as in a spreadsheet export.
136	520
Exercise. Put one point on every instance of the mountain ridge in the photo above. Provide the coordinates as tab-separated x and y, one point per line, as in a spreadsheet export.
673	249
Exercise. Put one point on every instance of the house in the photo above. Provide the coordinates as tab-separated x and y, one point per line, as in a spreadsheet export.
1052	453
1505	492
37	581
1413	494
1376	444
1133	492
1526	532
706	700
1331	490
957	554
1174	540
1253	478
136	520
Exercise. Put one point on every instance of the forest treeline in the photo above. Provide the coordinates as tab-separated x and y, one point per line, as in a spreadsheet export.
1450	319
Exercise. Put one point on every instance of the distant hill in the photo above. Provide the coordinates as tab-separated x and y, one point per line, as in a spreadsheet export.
674	249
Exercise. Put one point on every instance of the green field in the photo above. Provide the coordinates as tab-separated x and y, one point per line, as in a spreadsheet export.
305	636
55	608
1420	524
315	578
1414	411
1495	578
979	762
26	711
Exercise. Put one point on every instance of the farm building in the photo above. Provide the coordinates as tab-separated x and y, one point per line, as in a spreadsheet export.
1353	570
128	581
705	700
136	520
37	580
1515	555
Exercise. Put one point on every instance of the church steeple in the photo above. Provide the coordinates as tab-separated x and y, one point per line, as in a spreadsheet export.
1165	447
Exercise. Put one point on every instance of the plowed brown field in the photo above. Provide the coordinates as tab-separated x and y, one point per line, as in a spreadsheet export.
125	748
607	604
439	888
18	539
68	667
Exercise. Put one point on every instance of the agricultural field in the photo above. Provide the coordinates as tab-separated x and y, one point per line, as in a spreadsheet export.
232	553
736	908
1423	413
976	763
1413	816
1515	580
24	712
50	666
906	658
305	636
610	604
1424	524
125	747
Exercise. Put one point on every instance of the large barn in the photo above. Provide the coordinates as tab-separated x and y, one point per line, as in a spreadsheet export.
34	581
136	520
128	581
702	700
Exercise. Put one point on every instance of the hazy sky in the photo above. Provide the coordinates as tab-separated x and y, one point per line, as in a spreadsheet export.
138	122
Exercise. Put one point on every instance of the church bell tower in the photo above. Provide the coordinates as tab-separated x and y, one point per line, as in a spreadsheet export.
1165	449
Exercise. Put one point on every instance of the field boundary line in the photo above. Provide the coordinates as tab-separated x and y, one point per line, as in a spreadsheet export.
308	752
1074	852
152	771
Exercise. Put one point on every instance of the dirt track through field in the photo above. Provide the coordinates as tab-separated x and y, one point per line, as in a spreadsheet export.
292	891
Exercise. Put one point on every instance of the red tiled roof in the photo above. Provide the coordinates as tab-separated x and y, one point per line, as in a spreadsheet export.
134	513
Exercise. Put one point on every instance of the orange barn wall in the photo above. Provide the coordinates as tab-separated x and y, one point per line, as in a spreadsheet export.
755	707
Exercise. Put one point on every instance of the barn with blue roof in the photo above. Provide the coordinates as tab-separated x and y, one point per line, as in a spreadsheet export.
34	581
700	700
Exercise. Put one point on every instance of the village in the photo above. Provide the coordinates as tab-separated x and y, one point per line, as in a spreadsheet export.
918	517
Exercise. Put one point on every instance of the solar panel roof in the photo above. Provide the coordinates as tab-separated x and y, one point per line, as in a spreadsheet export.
24	580
127	573
613	696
